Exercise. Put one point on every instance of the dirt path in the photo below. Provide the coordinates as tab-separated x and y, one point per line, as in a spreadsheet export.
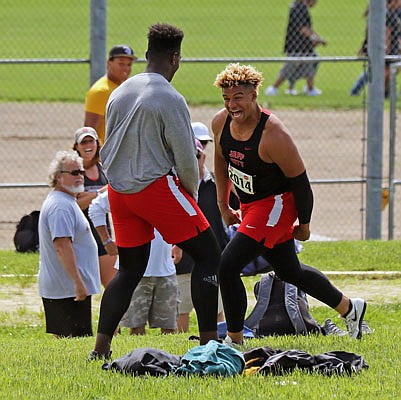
374	291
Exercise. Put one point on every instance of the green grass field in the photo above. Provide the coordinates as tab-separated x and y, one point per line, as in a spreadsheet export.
36	366
212	29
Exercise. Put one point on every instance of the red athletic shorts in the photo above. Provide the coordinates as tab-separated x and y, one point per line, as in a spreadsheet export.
269	220
165	205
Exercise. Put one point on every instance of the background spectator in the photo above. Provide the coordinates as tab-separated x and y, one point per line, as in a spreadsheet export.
300	41
393	37
68	265
87	145
392	47
202	133
119	67
363	78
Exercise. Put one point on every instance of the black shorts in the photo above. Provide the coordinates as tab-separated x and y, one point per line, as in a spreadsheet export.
68	318
101	250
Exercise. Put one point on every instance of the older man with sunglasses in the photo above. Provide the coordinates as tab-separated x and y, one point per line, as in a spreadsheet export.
68	264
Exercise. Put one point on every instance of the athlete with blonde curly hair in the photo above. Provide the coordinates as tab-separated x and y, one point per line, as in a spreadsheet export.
255	152
236	74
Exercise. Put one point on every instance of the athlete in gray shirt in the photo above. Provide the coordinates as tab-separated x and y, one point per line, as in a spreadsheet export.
149	157
148	133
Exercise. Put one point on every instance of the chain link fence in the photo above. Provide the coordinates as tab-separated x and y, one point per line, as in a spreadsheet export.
45	73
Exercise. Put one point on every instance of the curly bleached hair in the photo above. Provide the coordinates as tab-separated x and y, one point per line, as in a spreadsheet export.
236	74
58	162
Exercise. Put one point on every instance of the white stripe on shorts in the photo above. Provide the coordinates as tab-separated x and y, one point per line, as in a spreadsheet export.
275	212
185	204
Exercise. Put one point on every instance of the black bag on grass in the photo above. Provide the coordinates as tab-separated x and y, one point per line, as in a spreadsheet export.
281	309
26	237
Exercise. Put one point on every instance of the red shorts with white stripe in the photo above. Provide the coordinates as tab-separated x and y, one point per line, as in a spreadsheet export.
165	205
270	220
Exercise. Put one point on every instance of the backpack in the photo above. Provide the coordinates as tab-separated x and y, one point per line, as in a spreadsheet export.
281	309
257	266
26	237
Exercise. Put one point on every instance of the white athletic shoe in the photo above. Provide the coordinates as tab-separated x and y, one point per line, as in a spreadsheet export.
354	318
366	330
312	92
292	92
330	328
271	91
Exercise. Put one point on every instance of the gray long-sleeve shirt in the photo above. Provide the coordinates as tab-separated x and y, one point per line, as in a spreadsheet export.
148	133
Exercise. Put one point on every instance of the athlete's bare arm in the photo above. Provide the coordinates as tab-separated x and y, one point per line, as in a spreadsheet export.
223	183
278	146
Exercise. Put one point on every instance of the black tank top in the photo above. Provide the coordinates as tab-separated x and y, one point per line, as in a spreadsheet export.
253	178
91	186
96	184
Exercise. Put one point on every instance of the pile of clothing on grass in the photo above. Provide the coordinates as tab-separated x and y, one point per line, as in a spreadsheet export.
218	359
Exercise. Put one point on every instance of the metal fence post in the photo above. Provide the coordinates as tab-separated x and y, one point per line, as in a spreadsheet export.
98	34
376	44
393	110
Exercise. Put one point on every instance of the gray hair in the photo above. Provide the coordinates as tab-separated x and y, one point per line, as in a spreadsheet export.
58	162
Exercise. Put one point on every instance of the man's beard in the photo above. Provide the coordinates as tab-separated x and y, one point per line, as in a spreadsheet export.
74	189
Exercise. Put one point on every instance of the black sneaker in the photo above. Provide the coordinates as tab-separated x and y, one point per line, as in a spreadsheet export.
94	356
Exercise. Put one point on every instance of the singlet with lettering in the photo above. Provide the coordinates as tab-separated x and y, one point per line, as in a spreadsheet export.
254	179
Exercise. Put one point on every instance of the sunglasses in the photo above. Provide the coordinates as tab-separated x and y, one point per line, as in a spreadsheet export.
75	172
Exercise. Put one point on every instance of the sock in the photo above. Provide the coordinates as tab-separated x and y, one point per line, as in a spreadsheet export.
349	309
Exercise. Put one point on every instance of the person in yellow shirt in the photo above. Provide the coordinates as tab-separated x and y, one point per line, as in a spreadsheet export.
119	67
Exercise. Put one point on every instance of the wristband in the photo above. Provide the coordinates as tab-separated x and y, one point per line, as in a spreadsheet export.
107	241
